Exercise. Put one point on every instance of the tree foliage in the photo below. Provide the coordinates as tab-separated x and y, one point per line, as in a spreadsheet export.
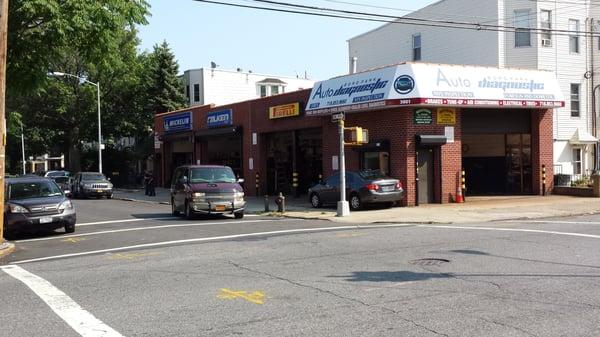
164	87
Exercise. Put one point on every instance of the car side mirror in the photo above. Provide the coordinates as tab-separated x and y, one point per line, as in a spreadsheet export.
240	180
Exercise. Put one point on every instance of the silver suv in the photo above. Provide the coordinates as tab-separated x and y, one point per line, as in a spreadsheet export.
91	184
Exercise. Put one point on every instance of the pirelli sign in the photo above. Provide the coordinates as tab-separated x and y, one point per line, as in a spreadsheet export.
283	111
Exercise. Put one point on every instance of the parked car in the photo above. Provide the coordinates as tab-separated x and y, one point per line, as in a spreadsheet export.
362	187
91	184
52	174
37	203
203	189
64	183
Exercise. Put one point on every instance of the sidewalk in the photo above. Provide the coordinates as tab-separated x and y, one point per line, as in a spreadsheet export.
476	209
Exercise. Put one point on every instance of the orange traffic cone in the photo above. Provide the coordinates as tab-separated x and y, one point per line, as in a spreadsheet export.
459	196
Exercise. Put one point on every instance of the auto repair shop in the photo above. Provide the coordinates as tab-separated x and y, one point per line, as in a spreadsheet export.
427	123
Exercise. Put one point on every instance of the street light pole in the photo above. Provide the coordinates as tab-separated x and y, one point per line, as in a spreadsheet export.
97	85
23	148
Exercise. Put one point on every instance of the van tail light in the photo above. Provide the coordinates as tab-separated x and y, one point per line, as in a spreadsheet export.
373	187
398	185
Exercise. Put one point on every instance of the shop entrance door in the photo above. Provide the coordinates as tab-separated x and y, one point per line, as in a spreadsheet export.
425	175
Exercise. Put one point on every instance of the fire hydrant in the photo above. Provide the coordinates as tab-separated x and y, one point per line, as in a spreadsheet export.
280	202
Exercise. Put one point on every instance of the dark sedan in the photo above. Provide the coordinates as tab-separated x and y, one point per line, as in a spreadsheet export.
33	203
362	187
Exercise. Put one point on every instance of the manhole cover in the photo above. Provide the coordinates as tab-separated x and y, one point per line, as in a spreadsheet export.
429	262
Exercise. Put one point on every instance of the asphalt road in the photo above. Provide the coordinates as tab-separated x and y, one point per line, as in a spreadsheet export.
133	270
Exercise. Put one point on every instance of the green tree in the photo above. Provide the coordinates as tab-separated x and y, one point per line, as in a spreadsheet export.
164	87
88	38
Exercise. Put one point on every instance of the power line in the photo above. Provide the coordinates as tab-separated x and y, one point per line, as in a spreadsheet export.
319	11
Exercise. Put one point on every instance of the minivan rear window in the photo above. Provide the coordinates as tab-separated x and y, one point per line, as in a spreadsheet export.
212	175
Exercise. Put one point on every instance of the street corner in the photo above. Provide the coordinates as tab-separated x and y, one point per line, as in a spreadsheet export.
6	248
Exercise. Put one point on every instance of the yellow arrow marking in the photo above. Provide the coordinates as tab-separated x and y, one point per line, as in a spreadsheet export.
130	256
74	240
256	297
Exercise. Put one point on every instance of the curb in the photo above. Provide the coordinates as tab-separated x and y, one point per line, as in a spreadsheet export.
6	248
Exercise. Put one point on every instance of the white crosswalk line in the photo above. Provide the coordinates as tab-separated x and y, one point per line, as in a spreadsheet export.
82	321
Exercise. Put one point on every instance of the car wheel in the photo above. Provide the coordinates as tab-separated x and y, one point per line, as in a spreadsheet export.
355	202
174	210
189	214
238	215
70	228
315	201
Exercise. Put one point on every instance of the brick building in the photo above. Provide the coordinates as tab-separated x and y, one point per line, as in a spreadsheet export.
425	121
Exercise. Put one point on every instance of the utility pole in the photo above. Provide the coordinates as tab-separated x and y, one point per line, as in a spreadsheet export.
3	40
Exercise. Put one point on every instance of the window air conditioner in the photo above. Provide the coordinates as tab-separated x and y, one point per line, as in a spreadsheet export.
546	42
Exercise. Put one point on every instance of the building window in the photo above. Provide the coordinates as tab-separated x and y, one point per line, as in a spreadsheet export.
546	26
196	92
274	89
263	90
522	28
577	167
574	36
187	91
575	100
416	40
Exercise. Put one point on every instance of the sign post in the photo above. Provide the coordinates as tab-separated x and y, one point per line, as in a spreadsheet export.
3	39
343	209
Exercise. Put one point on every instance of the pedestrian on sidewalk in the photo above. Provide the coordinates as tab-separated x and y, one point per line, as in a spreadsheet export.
150	185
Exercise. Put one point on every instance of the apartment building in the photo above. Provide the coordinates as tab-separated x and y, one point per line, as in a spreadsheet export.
219	86
542	35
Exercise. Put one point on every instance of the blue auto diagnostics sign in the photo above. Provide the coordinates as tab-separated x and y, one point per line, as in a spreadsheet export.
219	118
178	122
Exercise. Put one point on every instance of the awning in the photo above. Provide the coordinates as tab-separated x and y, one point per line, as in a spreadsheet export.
582	137
431	140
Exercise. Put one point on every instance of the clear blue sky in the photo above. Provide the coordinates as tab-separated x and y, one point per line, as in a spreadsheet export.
265	42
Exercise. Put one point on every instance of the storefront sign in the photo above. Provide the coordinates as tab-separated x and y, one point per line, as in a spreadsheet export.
219	118
286	110
446	116
449	133
434	84
178	122
422	116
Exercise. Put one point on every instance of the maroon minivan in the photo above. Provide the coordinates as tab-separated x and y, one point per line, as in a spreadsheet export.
206	189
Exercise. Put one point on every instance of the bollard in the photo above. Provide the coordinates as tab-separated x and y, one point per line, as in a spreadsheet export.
257	176
267	203
463	185
280	201
295	183
543	180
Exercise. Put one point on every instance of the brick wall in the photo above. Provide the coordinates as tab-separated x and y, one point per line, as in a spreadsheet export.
542	144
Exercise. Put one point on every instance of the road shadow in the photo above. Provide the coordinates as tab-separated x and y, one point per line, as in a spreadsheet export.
26	234
390	276
152	215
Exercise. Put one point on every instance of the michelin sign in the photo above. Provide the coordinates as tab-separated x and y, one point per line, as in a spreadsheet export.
435	84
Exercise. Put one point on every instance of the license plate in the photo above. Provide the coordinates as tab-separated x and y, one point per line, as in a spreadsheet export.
220	208
46	219
387	188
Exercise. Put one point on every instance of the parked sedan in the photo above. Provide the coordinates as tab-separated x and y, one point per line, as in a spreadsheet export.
362	187
91	184
37	203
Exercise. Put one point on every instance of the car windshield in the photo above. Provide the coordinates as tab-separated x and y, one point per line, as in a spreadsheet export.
93	176
212	175
34	189
61	180
372	175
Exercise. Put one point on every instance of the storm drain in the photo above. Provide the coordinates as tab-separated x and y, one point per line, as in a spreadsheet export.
429	262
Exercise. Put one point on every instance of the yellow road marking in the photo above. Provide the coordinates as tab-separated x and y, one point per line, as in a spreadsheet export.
256	297
349	235
130	256
74	240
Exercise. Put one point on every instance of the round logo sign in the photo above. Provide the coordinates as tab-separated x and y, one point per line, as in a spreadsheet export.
404	84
